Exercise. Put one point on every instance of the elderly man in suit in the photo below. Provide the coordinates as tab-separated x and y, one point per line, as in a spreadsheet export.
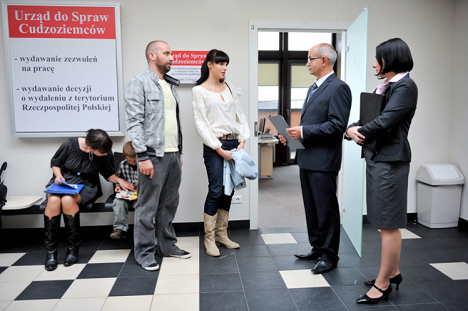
324	118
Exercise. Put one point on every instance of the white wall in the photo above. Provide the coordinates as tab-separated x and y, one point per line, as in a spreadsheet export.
458	154
428	26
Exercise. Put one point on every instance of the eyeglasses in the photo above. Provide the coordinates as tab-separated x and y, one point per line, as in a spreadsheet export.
309	59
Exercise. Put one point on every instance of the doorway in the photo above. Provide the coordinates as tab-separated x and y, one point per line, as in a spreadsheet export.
357	32
283	79
256	27
282	87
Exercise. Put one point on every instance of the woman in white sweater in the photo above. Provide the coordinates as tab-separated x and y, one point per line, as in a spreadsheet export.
222	126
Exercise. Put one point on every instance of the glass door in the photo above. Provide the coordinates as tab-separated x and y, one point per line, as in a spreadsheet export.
353	176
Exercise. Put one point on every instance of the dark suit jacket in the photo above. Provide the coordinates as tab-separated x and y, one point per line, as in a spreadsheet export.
323	120
392	125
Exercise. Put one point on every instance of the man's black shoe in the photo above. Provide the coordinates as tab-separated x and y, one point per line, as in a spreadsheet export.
309	256
322	267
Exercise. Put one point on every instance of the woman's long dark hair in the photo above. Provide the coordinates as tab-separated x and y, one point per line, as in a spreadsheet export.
215	57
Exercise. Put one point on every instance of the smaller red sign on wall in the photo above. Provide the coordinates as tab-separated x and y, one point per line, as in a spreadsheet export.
187	65
188	58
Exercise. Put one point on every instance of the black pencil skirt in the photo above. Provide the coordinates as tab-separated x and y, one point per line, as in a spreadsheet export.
386	193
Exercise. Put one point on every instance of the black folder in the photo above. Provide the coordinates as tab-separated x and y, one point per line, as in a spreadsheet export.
371	106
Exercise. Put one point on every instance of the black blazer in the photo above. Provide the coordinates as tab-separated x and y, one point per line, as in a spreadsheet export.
323	120
392	125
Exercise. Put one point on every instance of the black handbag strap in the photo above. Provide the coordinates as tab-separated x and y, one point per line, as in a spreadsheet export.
3	168
228	87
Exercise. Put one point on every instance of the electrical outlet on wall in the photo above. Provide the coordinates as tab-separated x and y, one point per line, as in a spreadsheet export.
236	199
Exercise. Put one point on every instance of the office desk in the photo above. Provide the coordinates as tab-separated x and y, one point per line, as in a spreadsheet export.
266	154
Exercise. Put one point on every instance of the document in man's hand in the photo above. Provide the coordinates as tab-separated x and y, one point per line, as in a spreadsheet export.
280	124
60	189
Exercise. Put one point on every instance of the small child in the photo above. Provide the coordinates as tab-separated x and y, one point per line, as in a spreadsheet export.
129	172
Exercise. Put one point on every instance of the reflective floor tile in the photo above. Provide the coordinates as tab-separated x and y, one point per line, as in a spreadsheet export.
61	273
252	250
262	280
270	299
30	259
256	264
4	304
410	293
36	305
90	288
219	265
344	276
178	266
303	279
133	269
101	270
278	238
454	270
7	259
133	286
188	242
220	282
318	298
11	290
45	290
177	284
134	303
406	234
80	304
20	273
223	301
423	307
292	263
171	302
105	256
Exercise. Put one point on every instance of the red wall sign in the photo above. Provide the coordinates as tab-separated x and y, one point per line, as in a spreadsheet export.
29	21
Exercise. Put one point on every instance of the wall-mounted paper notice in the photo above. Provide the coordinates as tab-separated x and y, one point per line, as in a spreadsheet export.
64	66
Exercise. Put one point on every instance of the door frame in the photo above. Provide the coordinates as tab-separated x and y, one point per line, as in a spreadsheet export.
281	26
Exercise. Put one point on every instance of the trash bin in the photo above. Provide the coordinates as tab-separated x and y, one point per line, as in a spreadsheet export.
439	195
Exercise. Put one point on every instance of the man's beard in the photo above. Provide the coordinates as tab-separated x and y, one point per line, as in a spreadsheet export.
164	68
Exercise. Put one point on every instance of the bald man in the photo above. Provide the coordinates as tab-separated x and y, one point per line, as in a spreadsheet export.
324	118
153	124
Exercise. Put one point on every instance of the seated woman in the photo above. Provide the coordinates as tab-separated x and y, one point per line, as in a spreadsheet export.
79	160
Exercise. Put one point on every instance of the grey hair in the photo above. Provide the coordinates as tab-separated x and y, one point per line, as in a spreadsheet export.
329	52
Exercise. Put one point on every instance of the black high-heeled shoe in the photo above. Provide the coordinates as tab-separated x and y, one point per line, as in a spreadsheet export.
364	299
397	279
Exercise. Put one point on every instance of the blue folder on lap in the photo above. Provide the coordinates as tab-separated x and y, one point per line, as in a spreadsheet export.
57	189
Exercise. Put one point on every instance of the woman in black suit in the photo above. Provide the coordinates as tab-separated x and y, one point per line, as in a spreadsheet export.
387	168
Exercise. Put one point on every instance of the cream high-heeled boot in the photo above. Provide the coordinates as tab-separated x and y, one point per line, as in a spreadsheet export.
210	244
221	236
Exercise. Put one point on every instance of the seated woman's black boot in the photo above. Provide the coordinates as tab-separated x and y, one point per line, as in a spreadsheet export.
52	227
72	226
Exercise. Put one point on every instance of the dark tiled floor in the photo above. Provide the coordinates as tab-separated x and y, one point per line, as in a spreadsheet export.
253	277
